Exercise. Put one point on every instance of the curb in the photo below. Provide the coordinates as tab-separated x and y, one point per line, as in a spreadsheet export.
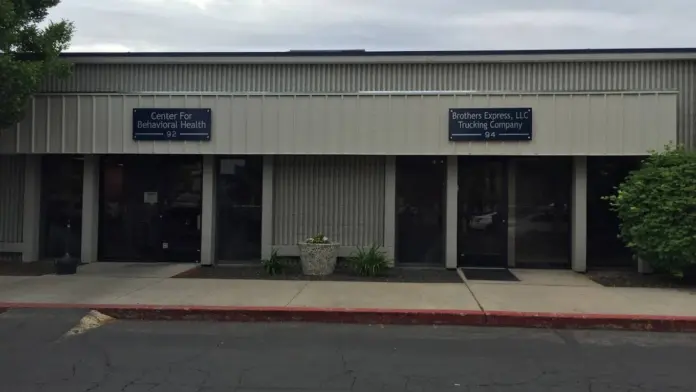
273	314
382	316
628	322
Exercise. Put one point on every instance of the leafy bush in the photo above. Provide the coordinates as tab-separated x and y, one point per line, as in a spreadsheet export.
369	262
274	265
656	206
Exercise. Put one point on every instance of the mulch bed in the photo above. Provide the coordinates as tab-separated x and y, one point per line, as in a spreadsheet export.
341	274
26	269
635	279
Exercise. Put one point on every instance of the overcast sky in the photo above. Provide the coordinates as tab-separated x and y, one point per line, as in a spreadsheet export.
263	25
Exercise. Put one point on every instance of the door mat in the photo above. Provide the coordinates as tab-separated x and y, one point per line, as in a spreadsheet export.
493	274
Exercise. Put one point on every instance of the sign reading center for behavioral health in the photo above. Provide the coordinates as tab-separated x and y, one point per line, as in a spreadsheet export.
172	124
490	124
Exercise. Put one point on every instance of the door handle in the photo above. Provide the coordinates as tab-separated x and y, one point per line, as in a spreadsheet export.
198	222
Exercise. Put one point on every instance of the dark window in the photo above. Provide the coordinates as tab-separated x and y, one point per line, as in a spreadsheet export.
61	205
604	248
420	198
239	194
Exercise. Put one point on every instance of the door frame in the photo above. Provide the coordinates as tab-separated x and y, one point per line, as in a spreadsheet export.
500	259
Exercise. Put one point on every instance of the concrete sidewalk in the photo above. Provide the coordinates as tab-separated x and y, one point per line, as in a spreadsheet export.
541	298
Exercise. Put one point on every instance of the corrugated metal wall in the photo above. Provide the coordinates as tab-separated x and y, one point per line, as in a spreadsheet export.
625	123
569	76
340	196
11	197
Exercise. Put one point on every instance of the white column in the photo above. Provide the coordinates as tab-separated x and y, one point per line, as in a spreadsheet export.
267	208
390	207
511	210
452	192
89	247
579	215
209	213
32	208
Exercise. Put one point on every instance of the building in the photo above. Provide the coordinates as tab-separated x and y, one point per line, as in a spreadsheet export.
495	158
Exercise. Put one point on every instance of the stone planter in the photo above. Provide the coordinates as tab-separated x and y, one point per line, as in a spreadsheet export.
318	259
66	265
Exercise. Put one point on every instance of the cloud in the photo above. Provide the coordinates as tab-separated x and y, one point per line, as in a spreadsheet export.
556	19
231	25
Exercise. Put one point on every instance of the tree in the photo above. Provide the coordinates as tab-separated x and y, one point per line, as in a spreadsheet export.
656	206
29	51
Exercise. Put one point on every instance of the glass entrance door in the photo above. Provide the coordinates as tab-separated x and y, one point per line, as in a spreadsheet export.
150	208
482	212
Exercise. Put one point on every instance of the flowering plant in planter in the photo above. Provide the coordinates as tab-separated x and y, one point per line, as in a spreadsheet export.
318	239
318	255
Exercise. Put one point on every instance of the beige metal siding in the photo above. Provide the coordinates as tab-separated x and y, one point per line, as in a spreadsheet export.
529	76
11	198
340	196
370	124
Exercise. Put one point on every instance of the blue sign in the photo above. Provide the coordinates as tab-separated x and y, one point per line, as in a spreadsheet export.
172	124
499	124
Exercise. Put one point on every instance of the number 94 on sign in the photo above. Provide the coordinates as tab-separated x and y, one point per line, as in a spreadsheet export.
489	135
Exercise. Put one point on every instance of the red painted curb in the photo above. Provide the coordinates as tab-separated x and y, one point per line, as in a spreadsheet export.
384	316
633	322
275	314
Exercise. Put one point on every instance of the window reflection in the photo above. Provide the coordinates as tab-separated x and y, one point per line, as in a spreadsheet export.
542	211
482	212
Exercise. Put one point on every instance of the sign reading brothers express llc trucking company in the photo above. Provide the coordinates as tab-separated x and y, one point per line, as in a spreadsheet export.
499	124
172	124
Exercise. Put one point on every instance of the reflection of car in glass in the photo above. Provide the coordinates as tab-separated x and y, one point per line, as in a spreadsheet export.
545	219
481	222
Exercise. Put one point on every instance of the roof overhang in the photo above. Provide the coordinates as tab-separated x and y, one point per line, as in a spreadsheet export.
383	57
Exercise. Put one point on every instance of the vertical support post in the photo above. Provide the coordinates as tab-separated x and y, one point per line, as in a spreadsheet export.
89	246
452	192
644	267
208	213
511	210
267	208
390	208
579	215
32	208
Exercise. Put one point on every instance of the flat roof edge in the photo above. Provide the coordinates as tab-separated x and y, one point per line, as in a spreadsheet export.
359	56
360	93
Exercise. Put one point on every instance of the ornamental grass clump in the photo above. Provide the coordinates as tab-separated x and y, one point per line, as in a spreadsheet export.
369	261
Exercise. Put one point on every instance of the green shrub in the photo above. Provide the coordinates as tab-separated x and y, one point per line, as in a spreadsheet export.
656	206
369	262
274	265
